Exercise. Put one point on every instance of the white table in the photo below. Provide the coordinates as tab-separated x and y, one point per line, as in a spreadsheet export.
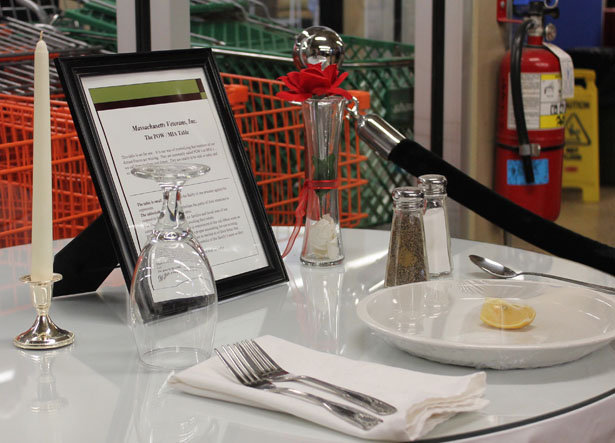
95	390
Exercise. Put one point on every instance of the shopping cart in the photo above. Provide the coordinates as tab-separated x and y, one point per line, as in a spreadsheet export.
17	42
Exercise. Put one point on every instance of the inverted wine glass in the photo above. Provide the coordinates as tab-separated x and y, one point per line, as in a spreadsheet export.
173	298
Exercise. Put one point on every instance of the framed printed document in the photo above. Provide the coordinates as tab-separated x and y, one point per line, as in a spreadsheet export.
170	106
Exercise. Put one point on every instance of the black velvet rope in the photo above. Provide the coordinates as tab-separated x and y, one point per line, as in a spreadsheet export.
502	212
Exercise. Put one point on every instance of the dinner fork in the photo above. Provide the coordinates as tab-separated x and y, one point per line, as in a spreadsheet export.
267	368
237	363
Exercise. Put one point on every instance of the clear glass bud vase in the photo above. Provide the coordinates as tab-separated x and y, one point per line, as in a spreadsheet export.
322	242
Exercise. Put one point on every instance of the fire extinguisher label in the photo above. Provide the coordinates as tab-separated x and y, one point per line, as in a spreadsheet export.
567	68
516	177
542	101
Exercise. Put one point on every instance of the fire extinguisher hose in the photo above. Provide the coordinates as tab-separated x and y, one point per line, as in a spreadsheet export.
502	212
516	51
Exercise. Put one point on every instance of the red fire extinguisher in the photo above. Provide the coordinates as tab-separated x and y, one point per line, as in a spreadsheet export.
530	134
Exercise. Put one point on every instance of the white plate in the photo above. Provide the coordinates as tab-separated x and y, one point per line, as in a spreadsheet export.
440	320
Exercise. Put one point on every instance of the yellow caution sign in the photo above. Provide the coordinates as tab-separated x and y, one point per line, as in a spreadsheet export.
581	167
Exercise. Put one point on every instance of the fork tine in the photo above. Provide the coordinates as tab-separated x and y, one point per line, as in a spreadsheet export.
258	364
231	365
240	364
264	355
240	360
247	359
263	362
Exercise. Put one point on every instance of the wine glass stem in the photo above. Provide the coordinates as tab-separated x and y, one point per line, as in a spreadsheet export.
172	214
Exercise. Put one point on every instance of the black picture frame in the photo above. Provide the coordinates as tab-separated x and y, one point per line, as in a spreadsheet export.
72	72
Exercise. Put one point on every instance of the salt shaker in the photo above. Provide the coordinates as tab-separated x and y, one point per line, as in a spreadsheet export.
407	262
437	236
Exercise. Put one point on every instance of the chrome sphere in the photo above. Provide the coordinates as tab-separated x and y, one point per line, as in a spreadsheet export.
318	44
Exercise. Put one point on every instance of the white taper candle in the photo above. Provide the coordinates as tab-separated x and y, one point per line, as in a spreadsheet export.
42	219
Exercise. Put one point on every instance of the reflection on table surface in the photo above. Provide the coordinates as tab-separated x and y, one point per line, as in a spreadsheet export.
95	390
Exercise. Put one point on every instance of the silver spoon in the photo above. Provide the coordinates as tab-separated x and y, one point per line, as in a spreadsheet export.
499	270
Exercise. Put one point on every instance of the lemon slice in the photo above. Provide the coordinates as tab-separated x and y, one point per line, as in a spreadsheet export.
501	314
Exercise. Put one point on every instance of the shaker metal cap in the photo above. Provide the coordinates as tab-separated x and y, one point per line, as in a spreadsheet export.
407	194
433	184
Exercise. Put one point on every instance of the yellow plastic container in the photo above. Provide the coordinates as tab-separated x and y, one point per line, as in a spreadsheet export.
581	160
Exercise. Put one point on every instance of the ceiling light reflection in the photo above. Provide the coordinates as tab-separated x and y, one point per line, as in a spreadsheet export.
366	260
6	376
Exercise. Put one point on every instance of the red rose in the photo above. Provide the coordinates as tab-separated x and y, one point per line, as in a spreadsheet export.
313	81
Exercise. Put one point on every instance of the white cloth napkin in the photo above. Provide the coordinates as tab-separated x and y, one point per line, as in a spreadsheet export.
422	400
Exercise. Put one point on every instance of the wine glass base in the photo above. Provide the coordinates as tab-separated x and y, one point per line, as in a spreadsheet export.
173	358
44	334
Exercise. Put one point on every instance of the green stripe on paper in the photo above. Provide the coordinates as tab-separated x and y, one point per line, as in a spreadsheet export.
109	94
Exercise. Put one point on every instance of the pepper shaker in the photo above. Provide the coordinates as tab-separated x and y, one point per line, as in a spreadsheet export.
407	262
437	236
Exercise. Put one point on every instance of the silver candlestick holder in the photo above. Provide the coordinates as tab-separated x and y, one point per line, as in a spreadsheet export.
44	334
